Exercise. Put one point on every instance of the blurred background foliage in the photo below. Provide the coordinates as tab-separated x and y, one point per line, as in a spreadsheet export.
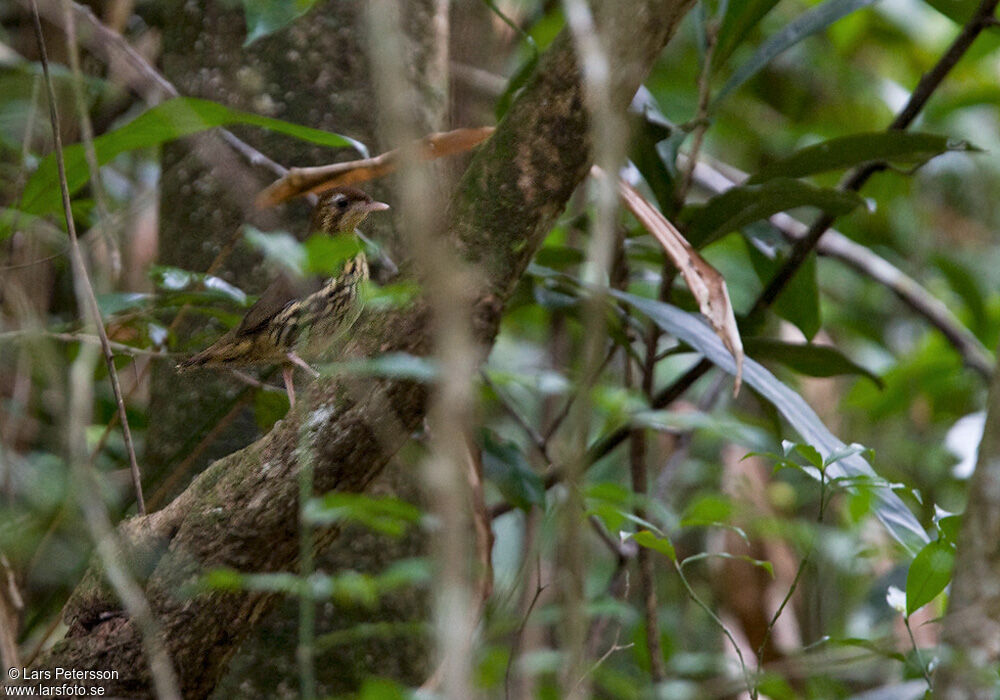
727	535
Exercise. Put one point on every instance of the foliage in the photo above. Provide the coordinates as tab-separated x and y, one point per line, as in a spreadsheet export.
797	94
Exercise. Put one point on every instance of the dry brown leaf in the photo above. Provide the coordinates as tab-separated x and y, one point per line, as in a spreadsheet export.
704	281
300	181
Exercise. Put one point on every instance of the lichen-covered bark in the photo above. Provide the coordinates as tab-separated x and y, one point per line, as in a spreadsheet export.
971	628
242	511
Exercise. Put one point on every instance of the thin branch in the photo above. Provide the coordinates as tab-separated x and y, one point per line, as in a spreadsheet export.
855	180
85	290
121	348
537	441
607	126
836	245
144	78
108	548
701	117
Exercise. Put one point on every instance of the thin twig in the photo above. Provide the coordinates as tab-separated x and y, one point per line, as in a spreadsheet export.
855	180
108	547
144	79
701	117
537	441
836	245
608	128
84	287
31	333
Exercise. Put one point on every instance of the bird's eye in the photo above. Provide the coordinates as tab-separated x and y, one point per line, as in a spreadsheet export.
342	203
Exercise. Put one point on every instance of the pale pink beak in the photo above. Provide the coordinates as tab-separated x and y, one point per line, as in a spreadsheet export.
378	206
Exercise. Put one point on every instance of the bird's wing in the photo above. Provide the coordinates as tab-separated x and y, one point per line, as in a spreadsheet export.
278	294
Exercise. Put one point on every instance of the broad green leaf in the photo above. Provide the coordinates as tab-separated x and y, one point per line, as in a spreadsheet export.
396	365
930	571
209	287
264	17
739	206
645	538
798	302
950	527
690	329
808	23
506	466
810	454
653	148
325	254
116	302
386	515
381	689
741	17
808	359
181	116
901	147
279	247
708	509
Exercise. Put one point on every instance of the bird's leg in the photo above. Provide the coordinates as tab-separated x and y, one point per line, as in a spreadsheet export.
295	359
287	374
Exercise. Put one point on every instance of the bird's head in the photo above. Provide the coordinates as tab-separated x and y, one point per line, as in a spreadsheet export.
342	209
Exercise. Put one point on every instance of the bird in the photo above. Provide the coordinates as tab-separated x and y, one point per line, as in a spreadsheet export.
293	319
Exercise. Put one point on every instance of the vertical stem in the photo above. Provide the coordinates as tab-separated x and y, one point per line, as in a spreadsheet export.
108	547
607	129
81	279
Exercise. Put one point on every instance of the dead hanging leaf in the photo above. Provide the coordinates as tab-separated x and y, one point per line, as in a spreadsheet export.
704	281
300	181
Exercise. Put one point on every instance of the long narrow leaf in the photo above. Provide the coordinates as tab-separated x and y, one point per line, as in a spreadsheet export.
170	120
843	152
690	329
806	24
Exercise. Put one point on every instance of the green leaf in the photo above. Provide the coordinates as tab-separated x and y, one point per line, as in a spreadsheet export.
386	515
279	247
181	116
806	24
506	466
653	149
380	689
325	254
264	17
395	365
741	17
808	359
645	538
810	454
692	330
899	147
739	206
930	571
209	287
798	302
959	11
707	510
